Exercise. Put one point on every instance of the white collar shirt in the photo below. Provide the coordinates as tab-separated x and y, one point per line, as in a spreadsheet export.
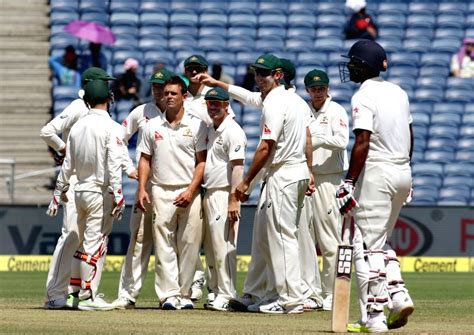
225	144
383	109
329	136
173	150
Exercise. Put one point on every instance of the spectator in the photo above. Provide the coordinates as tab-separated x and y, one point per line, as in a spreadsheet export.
360	25
248	81
94	58
462	63
128	84
218	74
65	68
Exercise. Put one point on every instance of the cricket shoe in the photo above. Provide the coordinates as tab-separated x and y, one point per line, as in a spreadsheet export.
241	304
402	308
219	304
196	288
210	297
376	323
276	308
72	301
186	303
55	304
96	304
311	305
170	304
123	303
327	303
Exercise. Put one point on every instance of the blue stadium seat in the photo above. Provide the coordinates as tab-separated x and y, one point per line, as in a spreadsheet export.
252	130
341	95
419	8
63	18
243	20
419	145
448	45
450	21
272	7
395	20
403	58
60	41
182	31
302	20
184	17
465	144
425	195
420	45
242	31
391	33
126	43
99	17
92	6
420	118
223	57
308	58
420	131
212	31
129	6
154	19
331	20
457	108
437	59
242	7
430	83
241	44
446	131
456	195
328	45
465	156
272	20
445	118
434	71
64	6
148	6
272	32
183	5
468	119
417	33
428	169
64	92
439	156
151	31
213	20
161	56
441	144
125	30
469	108
453	8
421	107
212	44
390	44
155	43
218	7
458	95
390	7
322	32
300	33
247	57
449	33
121	18
427	180
403	71
460	83
270	44
459	169
182	43
296	45
466	131
329	8
421	21
251	115
456	180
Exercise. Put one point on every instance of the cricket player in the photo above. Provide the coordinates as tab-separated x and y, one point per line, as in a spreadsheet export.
329	137
282	149
94	152
376	186
173	152
59	273
258	286
135	266
223	172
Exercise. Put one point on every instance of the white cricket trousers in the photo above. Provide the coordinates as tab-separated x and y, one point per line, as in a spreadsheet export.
135	266
310	277
59	273
177	235
327	225
220	241
94	220
381	192
282	213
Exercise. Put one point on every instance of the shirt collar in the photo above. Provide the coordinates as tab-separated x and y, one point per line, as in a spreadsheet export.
224	124
275	92
185	121
324	107
100	112
81	93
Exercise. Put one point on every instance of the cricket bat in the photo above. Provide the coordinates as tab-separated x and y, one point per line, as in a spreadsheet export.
342	284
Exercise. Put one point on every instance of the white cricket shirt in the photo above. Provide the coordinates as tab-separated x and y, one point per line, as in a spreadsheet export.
173	150
383	109
225	144
329	129
95	152
196	105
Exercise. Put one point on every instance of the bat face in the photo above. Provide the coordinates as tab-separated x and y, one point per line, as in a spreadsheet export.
342	289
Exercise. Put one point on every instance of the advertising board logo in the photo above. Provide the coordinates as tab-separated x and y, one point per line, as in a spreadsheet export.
410	237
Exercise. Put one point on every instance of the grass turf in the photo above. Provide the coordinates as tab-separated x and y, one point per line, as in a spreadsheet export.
444	303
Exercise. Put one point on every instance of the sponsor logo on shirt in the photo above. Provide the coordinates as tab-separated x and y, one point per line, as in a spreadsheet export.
119	142
158	136
63	116
188	132
219	140
355	110
342	123
237	148
124	123
324	120
266	130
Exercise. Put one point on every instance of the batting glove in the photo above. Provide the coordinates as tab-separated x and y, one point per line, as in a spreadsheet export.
119	208
54	204
345	198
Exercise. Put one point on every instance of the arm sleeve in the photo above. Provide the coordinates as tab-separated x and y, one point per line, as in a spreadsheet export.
237	145
339	138
131	123
201	137
115	160
272	123
146	142
362	113
245	96
67	167
65	120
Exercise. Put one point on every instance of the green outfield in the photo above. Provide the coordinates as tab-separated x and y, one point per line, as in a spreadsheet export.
444	304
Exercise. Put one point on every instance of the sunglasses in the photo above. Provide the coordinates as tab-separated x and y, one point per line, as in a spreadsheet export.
216	103
197	68
263	72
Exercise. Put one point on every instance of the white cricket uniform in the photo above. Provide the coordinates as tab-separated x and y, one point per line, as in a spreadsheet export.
329	136
383	109
59	273
177	231
284	122
225	144
94	152
196	105
135	266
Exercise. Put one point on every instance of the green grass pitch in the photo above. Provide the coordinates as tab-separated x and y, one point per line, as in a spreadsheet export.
444	303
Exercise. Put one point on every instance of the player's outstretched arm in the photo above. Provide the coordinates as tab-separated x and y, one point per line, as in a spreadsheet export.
144	168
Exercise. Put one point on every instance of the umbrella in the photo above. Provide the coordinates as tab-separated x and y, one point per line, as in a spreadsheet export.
91	31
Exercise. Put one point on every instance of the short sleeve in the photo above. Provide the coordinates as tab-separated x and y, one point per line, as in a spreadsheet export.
146	143
272	123
362	113
201	137
237	144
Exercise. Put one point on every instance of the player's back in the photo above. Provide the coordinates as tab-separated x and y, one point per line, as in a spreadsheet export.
387	104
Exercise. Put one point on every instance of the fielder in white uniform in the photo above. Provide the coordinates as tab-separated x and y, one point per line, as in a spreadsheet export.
135	266
94	151
59	273
223	172
329	137
173	148
283	144
379	177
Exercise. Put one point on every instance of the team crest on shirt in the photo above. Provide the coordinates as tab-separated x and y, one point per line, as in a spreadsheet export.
63	116
158	136
266	130
188	132
124	123
355	110
119	142
342	123
220	140
324	120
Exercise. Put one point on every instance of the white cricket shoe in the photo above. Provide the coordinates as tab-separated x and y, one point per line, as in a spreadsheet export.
327	303
311	305
241	304
402	307
123	303
210	297
196	288
272	308
96	304
377	323
55	304
186	303
219	304
171	303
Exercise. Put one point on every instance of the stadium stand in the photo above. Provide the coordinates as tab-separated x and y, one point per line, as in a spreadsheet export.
420	37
